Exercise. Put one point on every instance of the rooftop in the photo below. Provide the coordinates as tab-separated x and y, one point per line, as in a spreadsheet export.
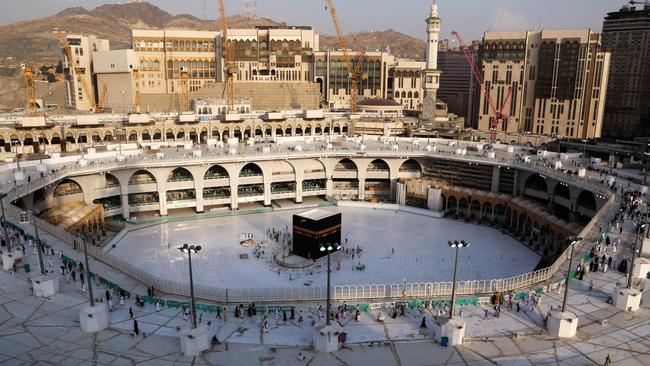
316	214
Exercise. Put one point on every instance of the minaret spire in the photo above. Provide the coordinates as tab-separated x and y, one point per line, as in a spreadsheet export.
431	75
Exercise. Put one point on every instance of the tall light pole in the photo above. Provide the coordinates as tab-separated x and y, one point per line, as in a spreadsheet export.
574	241
189	249
559	146
645	164
455	244
118	132
584	148
640	227
2	208
90	283
328	248
39	245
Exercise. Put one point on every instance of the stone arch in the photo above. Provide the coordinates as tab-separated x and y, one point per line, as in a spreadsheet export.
452	205
67	187
587	200
180	175
345	165
536	182
142	177
378	165
410	166
259	132
251	169
111	181
146	136
216	172
169	134
337	129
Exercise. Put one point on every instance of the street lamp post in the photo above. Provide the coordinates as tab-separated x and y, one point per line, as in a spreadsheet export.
118	133
568	273
645	164
640	227
189	249
4	224
39	245
584	148
455	244
559	146
87	267
328	248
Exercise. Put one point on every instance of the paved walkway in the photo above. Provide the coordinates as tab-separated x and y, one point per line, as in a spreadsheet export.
47	331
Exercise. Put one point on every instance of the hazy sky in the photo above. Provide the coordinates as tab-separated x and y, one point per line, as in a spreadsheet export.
469	17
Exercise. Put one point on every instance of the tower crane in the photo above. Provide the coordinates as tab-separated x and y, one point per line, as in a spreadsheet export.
102	98
78	71
499	117
354	71
30	90
185	89
230	68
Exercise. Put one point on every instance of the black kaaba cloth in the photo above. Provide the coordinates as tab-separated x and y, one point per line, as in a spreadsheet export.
314	228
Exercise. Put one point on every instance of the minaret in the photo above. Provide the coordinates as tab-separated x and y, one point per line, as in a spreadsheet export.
431	74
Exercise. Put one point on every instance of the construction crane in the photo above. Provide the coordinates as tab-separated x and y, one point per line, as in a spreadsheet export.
354	71
185	89
499	116
30	90
102	97
78	71
136	91
230	68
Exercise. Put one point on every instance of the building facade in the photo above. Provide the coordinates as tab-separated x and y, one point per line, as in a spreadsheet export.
162	53
626	35
331	73
405	84
82	48
456	82
557	78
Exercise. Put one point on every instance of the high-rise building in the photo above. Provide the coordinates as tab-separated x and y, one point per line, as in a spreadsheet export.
558	80
455	83
626	35
82	47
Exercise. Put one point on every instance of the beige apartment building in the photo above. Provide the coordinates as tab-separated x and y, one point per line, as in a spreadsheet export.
82	48
405	85
558	80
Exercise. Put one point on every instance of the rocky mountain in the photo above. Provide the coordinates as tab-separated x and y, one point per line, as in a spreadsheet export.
400	44
39	44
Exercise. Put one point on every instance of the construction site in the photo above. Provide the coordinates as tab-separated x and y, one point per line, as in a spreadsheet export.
229	84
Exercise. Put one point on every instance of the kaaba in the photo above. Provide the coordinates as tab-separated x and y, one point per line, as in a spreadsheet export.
314	228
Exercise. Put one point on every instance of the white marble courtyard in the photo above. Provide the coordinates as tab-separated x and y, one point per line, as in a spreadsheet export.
421	253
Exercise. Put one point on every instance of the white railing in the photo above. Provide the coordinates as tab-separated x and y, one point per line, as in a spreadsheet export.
292	294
